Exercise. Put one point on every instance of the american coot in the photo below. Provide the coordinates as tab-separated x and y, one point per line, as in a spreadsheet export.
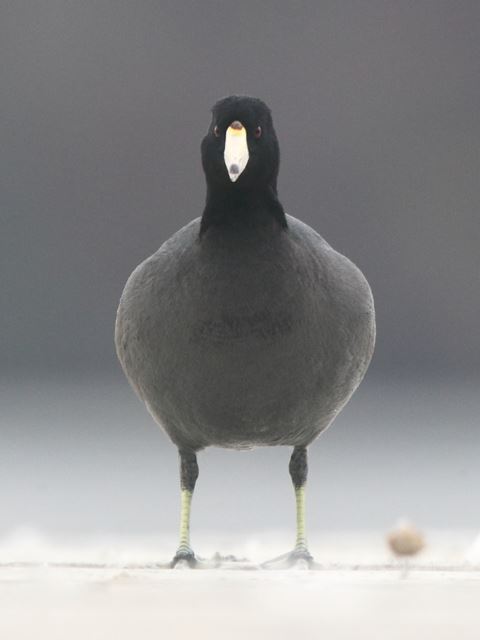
245	328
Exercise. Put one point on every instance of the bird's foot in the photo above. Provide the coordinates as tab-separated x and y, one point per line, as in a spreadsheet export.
299	558
184	559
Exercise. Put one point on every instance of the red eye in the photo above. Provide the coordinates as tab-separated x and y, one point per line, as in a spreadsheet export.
216	131
258	132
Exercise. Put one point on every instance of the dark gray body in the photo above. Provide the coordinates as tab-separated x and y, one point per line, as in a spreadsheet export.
245	337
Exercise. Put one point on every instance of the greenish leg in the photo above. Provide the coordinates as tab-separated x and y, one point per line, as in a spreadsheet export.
298	468
301	542
300	556
186	501
188	478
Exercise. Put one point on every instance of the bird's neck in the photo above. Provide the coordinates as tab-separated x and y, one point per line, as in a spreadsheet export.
232	207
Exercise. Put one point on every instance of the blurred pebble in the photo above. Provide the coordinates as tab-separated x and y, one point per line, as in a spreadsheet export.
405	540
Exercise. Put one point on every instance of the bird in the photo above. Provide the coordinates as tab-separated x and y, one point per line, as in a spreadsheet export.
245	328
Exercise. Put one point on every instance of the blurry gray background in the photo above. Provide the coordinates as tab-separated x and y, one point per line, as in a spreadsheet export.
103	107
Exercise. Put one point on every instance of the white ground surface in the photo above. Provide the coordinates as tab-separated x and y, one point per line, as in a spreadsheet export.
103	589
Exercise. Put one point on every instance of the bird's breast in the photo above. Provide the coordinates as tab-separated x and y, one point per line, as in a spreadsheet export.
227	326
260	343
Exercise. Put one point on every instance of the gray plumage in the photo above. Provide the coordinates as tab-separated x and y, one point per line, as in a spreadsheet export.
245	336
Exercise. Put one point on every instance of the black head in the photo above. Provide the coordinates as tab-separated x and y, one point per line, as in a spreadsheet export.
263	151
240	158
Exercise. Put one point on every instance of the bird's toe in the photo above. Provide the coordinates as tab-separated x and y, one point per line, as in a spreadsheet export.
296	559
184	559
